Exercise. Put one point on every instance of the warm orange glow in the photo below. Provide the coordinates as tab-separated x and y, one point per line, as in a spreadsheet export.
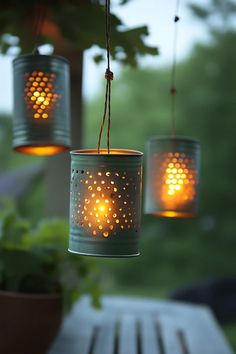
178	182
174	214
176	179
97	208
41	150
105	202
39	91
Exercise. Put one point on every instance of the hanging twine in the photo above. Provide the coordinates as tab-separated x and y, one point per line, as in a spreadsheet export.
39	18
109	78
173	90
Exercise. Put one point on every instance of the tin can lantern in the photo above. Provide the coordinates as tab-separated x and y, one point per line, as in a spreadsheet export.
105	202
41	122
172	177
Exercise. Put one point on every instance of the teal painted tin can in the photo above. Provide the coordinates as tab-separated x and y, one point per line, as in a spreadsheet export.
105	202
41	120
172	177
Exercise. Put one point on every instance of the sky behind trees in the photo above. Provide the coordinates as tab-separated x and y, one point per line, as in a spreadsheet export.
157	15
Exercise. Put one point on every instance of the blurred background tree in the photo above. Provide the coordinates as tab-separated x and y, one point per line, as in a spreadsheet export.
206	110
72	26
175	253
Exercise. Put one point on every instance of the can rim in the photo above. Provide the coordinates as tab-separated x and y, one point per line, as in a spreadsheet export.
104	152
131	255
39	56
187	139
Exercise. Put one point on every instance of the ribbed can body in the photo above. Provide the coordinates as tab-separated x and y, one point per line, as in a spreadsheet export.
105	203
172	177
41	104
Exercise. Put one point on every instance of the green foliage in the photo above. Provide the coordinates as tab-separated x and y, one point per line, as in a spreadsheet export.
230	331
36	260
176	252
9	159
199	11
12	166
215	9
138	110
80	23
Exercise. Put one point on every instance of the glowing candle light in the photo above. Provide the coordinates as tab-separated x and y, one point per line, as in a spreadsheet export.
172	182
41	124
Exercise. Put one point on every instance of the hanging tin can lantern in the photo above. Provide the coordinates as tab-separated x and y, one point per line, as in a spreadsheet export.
105	202
105	196
41	124
172	177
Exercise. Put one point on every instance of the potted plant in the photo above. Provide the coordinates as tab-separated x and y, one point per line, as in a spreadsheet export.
39	282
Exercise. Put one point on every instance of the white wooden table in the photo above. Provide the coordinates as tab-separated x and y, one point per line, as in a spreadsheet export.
137	326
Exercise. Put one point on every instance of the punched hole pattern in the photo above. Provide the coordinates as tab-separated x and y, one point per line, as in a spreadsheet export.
175	177
40	93
104	202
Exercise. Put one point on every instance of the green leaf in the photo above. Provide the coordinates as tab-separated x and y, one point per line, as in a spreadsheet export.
199	11
37	261
16	266
12	229
80	25
98	58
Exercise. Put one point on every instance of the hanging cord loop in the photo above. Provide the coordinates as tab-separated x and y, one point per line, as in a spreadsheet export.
39	18
173	90
109	78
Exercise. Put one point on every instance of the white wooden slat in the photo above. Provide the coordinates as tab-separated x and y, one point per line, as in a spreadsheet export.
86	325
83	340
134	305
128	335
105	337
75	337
71	345
148	335
168	332
204	335
60	345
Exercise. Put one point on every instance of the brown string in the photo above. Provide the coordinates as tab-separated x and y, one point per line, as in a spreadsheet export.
103	119
109	78
173	90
